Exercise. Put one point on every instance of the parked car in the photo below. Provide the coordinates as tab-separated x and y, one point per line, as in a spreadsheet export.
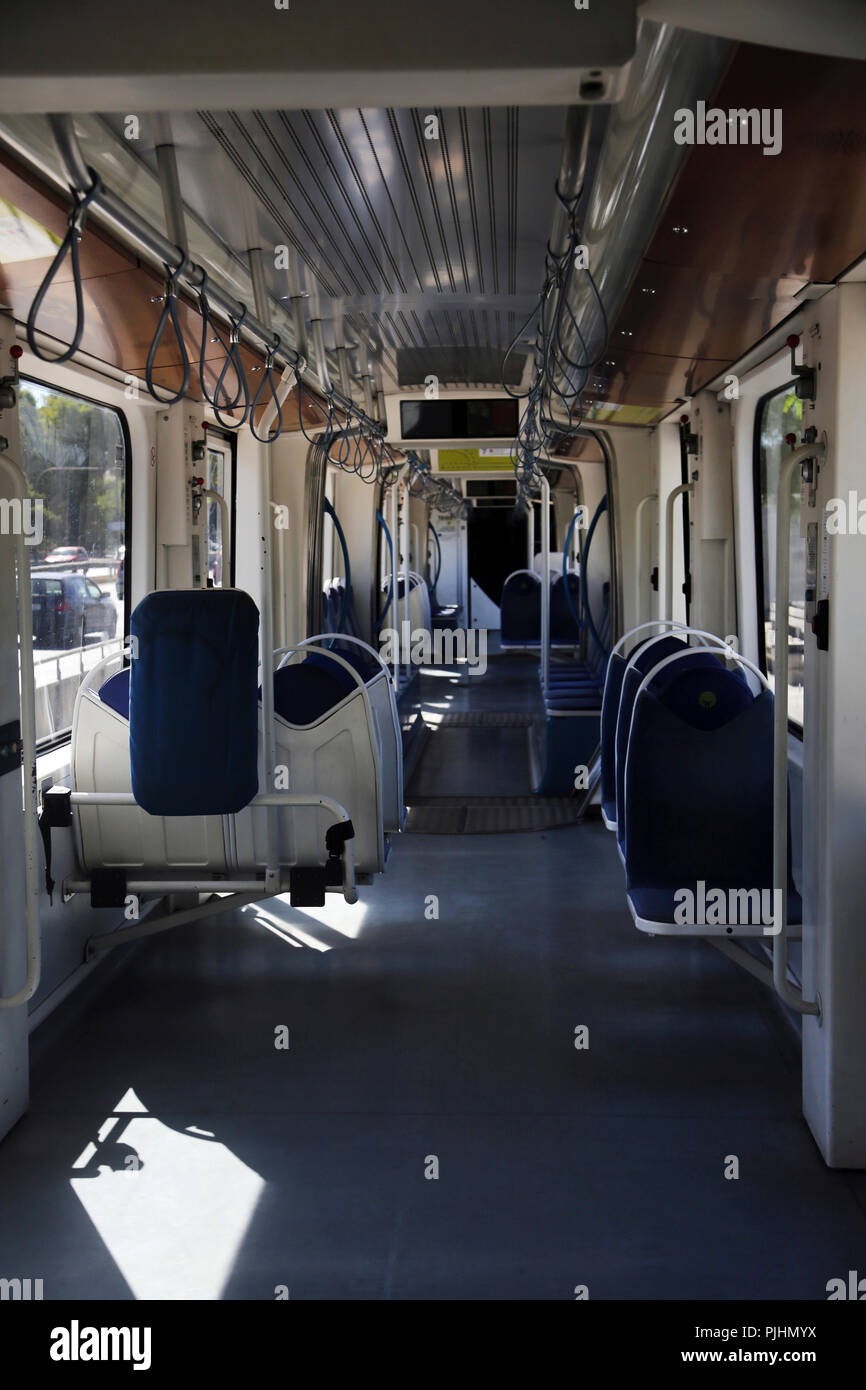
68	610
120	580
68	555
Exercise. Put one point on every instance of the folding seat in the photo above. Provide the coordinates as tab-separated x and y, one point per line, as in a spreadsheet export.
564	627
326	744
698	792
369	666
616	668
648	657
520	610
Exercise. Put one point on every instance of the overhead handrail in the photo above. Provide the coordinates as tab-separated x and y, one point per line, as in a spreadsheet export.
638	564
154	244
69	246
786	992
18	486
169	315
672	496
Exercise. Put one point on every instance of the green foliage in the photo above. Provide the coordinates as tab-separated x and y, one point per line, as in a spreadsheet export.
72	455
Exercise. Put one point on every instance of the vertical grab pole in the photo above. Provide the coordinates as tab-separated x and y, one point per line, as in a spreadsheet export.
638	550
266	528
28	748
530	534
786	992
395	568
223	505
545	583
404	549
674	493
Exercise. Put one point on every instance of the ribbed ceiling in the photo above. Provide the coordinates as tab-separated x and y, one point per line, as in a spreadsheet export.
416	243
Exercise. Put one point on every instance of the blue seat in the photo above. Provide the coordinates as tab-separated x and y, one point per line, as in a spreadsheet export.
193	711
644	660
564	629
305	692
115	693
698	795
520	609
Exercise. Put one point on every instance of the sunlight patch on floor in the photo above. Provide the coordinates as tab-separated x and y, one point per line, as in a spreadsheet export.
172	1207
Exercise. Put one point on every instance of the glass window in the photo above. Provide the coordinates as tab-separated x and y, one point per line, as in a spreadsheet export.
74	456
219	469
778	415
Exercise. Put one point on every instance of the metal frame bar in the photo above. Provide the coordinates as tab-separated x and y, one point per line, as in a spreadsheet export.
638	562
27	676
545	583
672	496
786	992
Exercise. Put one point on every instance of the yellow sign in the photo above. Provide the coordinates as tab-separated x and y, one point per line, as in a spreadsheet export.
474	461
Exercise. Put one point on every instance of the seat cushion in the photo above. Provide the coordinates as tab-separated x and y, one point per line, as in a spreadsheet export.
303	693
115	693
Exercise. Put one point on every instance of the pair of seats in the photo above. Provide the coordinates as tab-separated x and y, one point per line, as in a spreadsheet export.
338	613
572	704
520	610
182	730
687	786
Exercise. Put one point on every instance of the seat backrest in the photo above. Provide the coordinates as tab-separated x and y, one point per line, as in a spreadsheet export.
521	607
643	661
563	624
193	708
699	784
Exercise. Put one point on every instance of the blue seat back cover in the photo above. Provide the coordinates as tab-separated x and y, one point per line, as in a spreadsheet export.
645	658
521	608
699	801
115	693
305	692
563	627
193	708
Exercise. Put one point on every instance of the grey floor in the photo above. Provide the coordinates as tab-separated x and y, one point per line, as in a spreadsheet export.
172	1151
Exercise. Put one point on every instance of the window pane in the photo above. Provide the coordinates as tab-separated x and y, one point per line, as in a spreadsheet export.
783	414
74	458
217	563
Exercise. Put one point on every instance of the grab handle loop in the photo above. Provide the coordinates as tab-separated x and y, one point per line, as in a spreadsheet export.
268	379
69	245
233	356
208	326
169	314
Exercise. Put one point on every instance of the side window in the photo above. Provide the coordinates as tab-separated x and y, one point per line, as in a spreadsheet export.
777	415
74	457
220	479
